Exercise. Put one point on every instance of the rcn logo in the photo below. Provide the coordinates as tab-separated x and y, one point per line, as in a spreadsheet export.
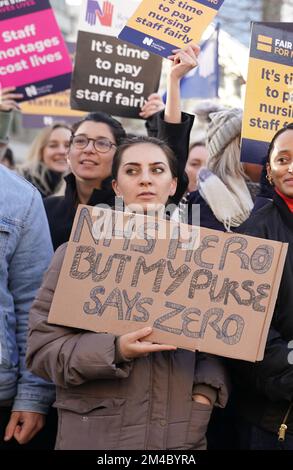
95	12
31	91
148	41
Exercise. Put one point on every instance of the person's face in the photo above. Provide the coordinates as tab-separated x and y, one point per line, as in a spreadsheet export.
55	150
88	164
280	168
196	159
144	178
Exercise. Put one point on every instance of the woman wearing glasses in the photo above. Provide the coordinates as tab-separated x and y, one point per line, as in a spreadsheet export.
119	393
93	145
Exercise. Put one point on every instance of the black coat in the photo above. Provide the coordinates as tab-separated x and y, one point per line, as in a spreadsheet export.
61	210
265	389
47	185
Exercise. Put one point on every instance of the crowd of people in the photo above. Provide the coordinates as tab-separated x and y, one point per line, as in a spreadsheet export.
125	392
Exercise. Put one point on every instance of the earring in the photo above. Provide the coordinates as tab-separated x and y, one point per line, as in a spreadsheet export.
270	179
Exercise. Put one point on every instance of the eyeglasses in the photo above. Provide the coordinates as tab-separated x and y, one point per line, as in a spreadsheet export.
101	144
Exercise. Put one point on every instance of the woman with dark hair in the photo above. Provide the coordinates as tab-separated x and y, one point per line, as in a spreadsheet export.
125	392
91	149
265	389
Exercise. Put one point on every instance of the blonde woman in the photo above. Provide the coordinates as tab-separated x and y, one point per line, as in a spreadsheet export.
223	195
46	162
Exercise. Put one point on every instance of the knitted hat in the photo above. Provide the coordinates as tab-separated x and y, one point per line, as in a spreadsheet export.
204	108
223	128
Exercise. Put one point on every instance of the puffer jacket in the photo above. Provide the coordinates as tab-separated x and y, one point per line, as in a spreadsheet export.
105	402
25	253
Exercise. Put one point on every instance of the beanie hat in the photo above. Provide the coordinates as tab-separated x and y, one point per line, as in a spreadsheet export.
224	127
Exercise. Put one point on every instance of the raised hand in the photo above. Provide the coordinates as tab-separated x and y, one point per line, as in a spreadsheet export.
7	99
92	7
106	16
133	345
184	60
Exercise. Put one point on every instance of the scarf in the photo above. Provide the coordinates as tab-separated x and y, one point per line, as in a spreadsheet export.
230	207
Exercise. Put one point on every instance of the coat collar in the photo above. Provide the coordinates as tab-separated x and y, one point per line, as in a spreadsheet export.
285	213
105	195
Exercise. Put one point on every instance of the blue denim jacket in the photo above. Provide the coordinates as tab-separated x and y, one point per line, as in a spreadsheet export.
25	253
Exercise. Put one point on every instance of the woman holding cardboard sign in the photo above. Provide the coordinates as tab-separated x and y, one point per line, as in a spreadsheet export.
126	392
93	144
265	394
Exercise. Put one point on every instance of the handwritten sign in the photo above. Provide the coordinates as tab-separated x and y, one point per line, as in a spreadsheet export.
198	288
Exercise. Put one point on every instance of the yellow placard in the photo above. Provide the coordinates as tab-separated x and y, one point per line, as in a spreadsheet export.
52	105
179	30
268	99
161	25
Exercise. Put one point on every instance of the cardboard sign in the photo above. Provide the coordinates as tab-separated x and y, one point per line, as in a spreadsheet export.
112	76
198	288
47	110
33	55
269	91
160	26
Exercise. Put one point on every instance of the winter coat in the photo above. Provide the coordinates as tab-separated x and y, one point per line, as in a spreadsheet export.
105	402
46	181
265	389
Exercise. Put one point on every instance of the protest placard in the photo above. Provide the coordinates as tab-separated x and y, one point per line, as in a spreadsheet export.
159	26
47	110
33	55
198	288
110	75
269	91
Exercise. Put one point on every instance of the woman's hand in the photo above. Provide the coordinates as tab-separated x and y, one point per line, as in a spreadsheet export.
7	99
184	60
132	345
